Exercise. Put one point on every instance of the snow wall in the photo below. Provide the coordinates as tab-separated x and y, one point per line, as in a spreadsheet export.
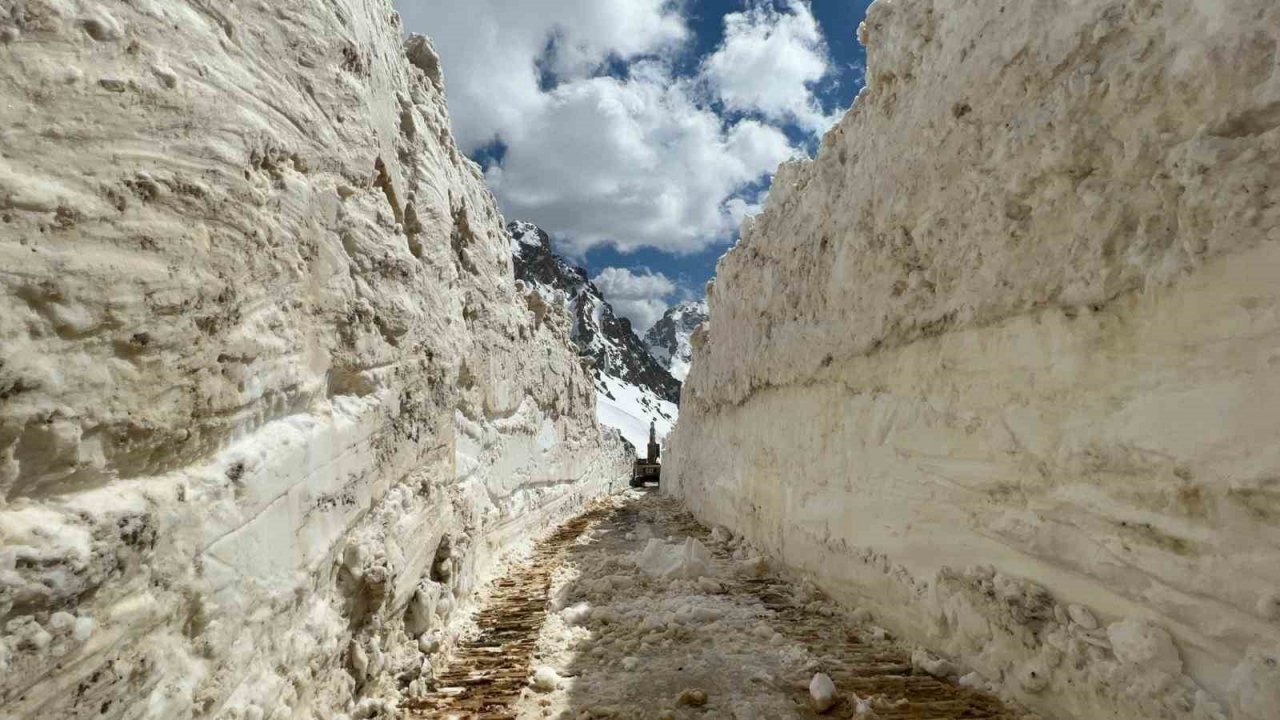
270	403
1002	364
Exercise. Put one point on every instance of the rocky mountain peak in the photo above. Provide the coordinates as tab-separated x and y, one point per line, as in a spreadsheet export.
599	332
668	339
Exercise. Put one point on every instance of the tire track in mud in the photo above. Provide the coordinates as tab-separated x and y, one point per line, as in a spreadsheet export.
489	673
486	674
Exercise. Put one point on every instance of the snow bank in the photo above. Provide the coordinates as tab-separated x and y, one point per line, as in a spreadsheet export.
270	403
1007	346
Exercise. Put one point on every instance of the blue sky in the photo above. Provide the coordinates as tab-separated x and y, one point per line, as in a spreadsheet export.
638	133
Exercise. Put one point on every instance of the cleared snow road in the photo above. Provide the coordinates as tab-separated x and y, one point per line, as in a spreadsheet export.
634	610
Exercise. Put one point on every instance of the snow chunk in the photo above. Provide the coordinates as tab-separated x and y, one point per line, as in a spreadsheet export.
1082	617
690	560
822	692
83	629
545	679
1136	642
937	667
577	614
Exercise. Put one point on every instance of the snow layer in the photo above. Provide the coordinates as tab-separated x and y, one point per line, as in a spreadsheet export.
271	404
1011	346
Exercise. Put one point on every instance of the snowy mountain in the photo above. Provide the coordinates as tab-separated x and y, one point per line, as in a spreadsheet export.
668	339
632	388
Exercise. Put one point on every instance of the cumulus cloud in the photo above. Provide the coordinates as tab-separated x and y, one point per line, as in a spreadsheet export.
635	163
769	62
494	52
601	142
640	296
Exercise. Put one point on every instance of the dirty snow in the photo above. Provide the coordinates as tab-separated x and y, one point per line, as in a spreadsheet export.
652	616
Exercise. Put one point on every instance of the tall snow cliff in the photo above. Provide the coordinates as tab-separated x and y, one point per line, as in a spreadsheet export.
271	404
1002	364
633	388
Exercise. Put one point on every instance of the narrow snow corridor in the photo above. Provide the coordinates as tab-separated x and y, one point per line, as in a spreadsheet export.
634	610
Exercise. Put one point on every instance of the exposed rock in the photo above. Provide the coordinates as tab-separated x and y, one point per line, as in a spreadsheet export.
599	333
260	351
670	339
1022	307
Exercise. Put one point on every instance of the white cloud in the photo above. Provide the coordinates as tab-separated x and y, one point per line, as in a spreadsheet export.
490	50
635	161
638	296
769	62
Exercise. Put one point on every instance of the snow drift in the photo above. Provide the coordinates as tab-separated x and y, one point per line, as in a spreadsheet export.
1001	363
270	401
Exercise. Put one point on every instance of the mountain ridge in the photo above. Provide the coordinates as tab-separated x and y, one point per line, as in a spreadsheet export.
633	388
669	340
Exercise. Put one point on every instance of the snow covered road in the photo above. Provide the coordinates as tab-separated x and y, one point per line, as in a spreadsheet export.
634	610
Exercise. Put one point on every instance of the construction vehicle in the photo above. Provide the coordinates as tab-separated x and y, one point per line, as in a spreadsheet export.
647	468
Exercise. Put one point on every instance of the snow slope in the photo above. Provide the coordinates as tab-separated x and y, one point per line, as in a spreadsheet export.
630	409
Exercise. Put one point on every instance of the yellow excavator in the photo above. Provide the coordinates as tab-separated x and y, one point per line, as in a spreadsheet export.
647	468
